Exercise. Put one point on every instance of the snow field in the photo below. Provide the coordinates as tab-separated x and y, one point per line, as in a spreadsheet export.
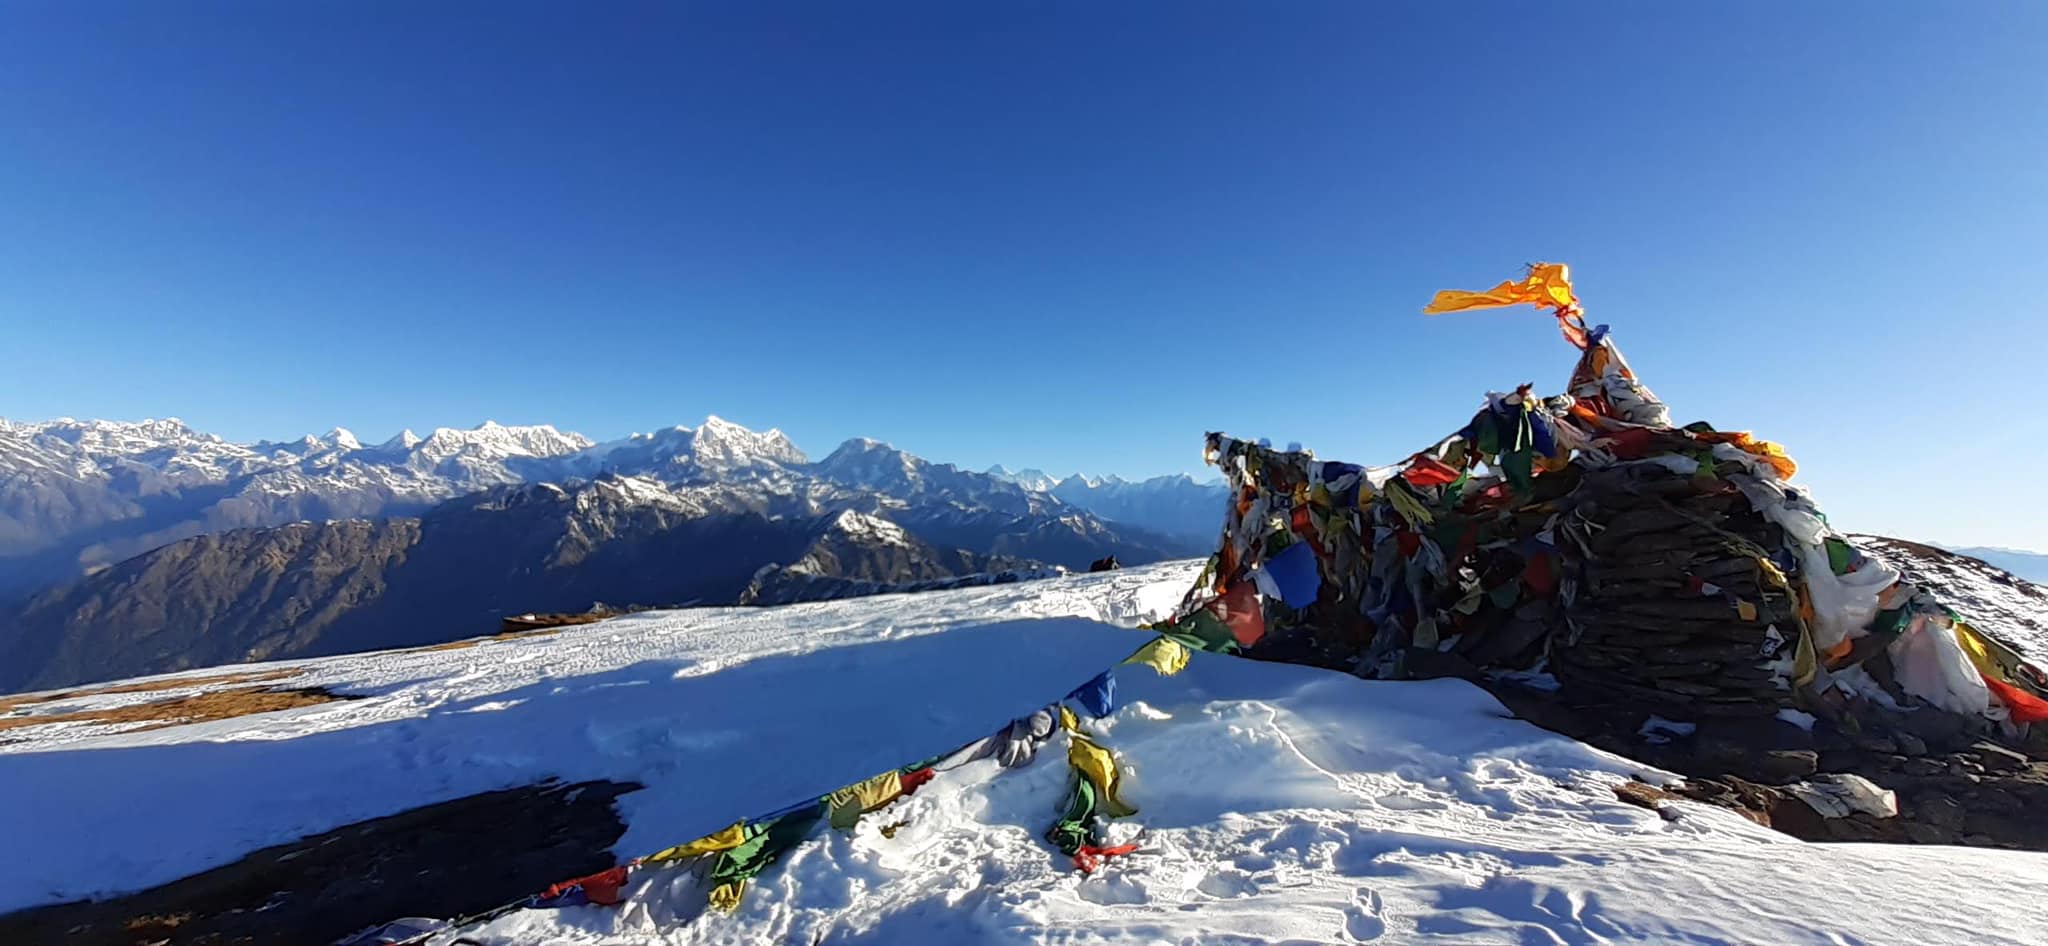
1278	804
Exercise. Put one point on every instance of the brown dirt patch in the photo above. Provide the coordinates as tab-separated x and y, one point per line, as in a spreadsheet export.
450	859
179	711
1644	795
8	703
534	622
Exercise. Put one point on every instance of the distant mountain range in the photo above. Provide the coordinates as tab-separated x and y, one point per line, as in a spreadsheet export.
143	547
2032	566
1176	505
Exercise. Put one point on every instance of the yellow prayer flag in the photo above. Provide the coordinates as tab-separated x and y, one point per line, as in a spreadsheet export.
1164	655
848	804
1095	764
726	896
1980	653
709	844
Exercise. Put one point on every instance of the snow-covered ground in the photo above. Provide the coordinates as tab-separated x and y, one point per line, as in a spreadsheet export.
2013	609
1278	803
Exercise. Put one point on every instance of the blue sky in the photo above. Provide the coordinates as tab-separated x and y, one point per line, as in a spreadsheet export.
1040	234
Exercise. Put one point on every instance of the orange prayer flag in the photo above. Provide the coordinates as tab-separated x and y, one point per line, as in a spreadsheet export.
1547	284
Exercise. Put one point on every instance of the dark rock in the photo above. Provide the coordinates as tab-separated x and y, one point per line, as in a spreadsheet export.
1716	653
1923	767
1750	708
2007	830
1934	727
1829	739
1780	766
1996	801
1688	671
1997	758
1942	812
1921	833
1909	744
1842	760
1761	733
1688	688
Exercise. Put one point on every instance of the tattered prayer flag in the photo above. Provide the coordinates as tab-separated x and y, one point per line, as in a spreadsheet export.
601	888
1239	610
1428	471
1772	455
1094	763
1548	284
2025	707
846	805
709	844
1294	573
1089	857
1164	654
1098	695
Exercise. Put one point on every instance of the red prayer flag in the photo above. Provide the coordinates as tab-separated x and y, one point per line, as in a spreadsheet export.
1429	471
1240	611
2025	707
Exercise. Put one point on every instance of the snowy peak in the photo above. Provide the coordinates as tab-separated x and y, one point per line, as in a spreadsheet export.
863	526
1176	505
111	437
632	491
714	450
1031	479
722	443
74	495
493	441
341	438
872	463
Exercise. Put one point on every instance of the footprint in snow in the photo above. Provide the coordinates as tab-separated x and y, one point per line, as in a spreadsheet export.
1365	919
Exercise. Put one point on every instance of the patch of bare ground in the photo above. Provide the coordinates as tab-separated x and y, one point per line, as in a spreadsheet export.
243	696
9	703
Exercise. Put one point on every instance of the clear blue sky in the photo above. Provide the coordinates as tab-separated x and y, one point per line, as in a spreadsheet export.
1040	234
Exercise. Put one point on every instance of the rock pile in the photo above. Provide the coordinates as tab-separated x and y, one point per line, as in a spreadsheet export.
1676	603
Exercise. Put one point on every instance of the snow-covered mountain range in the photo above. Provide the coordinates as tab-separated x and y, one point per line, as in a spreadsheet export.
1177	505
80	495
136	548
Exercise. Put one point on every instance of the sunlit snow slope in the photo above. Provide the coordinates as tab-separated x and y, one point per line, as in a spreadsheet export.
1278	803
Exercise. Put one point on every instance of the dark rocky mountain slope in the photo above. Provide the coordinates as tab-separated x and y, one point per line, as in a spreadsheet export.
310	589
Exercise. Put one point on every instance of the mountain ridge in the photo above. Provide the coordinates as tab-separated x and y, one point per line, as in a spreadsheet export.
77	496
324	545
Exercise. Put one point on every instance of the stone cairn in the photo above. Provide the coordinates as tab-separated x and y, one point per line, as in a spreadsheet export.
1670	600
